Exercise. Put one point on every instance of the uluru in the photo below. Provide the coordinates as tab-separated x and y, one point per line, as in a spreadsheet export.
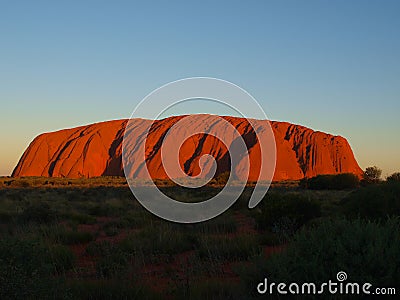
96	150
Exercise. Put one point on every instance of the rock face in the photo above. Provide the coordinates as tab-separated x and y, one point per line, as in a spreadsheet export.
96	150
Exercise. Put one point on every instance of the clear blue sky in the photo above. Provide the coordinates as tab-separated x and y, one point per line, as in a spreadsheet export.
333	66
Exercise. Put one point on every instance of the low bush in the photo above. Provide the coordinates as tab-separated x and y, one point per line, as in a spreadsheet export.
374	202
331	182
26	270
80	218
268	238
395	177
62	257
366	251
40	213
6	217
114	264
64	236
99	248
136	219
285	213
113	261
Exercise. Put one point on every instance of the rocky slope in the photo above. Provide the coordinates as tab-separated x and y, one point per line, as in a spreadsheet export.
96	149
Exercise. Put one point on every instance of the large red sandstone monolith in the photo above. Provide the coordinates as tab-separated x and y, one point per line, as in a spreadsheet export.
95	150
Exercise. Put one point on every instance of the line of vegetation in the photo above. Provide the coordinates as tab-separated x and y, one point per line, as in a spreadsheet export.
99	243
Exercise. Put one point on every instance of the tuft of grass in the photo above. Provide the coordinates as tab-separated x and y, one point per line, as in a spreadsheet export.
161	238
228	249
62	257
224	224
111	231
64	236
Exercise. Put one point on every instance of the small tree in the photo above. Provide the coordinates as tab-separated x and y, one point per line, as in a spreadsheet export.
372	174
395	177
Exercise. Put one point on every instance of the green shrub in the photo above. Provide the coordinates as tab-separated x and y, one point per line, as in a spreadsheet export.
106	204
113	260
270	239
372	175
68	237
135	219
26	270
114	264
373	202
395	177
81	218
62	257
366	251
40	213
99	210
111	231
99	248
331	182
285	213
6	217
113	228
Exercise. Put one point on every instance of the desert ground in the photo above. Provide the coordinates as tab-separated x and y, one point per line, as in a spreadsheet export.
90	239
